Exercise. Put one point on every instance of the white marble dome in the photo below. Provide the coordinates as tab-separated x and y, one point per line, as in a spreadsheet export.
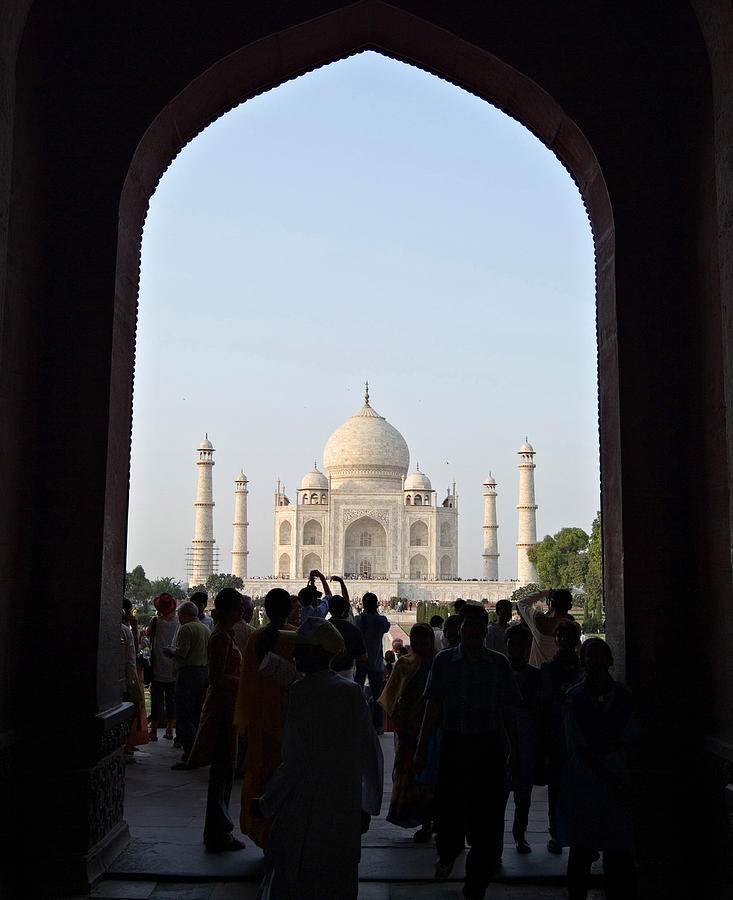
366	450
526	448
314	481
418	481
206	444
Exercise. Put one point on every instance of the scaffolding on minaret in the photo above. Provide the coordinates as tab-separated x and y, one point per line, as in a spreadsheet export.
195	556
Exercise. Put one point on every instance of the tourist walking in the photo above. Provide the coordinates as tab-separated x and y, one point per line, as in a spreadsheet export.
138	733
543	624
556	678
260	710
330	780
518	645
133	692
162	633
436	623
411	803
472	694
201	600
373	627
192	675
451	631
216	739
496	634
594	809
243	630
355	649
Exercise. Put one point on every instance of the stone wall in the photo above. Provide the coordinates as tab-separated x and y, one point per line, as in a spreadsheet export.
440	591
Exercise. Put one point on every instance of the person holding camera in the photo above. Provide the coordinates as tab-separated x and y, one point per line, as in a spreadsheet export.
312	602
543	624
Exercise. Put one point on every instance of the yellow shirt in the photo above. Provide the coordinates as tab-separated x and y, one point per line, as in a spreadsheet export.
191	645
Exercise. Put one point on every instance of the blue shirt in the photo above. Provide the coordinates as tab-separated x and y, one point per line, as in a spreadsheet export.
373	626
474	695
319	612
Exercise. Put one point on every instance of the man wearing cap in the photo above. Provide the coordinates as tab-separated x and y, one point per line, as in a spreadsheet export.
330	779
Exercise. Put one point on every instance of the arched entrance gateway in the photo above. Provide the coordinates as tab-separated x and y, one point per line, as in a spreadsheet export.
365	548
633	98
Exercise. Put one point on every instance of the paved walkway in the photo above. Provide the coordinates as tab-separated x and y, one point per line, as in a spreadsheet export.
167	860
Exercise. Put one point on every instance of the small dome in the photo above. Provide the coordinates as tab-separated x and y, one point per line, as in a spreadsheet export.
314	481
417	481
526	447
490	480
240	477
206	444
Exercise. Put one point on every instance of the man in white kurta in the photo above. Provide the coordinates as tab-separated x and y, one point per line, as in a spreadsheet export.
329	782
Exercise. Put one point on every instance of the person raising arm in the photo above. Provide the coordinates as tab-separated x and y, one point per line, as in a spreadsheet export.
543	624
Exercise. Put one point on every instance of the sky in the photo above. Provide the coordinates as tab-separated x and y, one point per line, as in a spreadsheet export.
365	221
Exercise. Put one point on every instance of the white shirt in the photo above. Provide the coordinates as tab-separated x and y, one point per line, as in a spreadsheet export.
496	638
332	768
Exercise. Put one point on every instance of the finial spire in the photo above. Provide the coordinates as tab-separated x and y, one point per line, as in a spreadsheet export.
315	465
366	393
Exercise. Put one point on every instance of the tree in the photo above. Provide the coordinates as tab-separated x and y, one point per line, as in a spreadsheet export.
196	589
217	582
137	586
593	601
523	592
561	560
166	585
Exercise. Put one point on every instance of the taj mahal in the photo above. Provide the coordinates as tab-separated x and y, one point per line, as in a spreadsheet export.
367	516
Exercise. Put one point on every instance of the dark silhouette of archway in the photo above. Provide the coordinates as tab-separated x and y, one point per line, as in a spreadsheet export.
632	98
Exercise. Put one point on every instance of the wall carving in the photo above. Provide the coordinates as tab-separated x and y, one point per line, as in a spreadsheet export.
114	738
381	515
106	797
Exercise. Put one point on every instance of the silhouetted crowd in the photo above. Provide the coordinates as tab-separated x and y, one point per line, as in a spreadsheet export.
479	711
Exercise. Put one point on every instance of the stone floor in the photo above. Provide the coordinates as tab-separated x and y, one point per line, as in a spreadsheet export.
167	860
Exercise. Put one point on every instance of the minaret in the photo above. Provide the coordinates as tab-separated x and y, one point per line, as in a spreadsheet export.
491	531
239	540
527	509
203	534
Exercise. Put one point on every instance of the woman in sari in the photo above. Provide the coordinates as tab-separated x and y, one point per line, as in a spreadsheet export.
411	804
138	733
259	712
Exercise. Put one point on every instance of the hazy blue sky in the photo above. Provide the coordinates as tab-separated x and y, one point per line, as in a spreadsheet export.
364	221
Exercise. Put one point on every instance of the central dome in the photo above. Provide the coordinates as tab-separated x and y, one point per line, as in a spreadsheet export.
366	452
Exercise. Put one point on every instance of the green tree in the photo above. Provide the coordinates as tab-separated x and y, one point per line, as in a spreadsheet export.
166	585
137	586
217	582
593	600
561	560
525	591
